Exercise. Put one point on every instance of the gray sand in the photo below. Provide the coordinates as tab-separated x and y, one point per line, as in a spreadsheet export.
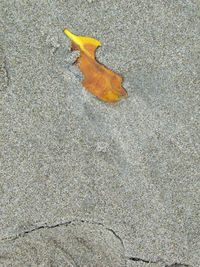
89	183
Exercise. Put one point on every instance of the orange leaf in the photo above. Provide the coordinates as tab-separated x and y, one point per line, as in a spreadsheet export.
98	80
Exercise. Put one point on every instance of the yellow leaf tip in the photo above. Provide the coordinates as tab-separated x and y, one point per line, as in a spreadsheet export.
69	34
